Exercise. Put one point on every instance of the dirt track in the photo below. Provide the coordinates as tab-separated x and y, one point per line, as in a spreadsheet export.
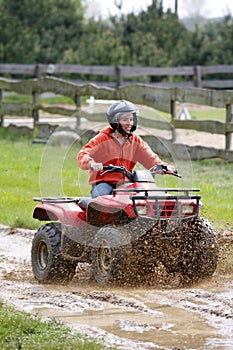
158	317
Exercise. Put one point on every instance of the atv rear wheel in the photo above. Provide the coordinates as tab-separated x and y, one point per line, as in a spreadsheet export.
191	250
109	255
47	263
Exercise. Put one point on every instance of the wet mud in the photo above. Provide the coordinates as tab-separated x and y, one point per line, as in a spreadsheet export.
159	316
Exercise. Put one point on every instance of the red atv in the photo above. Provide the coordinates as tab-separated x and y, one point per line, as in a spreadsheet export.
126	235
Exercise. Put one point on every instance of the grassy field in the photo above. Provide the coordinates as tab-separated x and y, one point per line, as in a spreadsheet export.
31	170
19	330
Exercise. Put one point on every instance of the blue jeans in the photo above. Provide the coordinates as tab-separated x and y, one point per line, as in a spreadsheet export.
102	189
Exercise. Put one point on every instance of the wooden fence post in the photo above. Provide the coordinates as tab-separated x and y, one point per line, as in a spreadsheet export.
197	76
229	118
35	97
119	76
1	109
173	116
35	112
78	103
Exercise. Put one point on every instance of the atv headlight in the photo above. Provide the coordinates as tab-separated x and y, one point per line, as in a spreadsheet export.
187	209
142	209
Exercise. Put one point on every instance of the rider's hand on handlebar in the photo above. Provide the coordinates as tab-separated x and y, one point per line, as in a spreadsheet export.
170	169
164	169
159	169
96	166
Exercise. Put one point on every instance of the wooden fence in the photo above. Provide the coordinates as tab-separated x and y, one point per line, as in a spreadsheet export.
162	99
125	75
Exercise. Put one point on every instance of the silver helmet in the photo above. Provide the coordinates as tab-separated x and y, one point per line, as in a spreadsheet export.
119	109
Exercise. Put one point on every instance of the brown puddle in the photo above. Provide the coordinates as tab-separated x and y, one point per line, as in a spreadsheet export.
146	319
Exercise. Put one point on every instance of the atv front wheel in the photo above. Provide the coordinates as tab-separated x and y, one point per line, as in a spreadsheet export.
47	263
191	250
109	255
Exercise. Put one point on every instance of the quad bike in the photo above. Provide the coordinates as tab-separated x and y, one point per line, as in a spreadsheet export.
126	235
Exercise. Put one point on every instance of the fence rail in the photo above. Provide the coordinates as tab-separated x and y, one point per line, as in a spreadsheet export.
198	74
162	99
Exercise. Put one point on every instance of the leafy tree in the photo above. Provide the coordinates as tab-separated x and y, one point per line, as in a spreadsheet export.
152	32
189	51
39	30
223	40
208	45
55	31
99	46
16	40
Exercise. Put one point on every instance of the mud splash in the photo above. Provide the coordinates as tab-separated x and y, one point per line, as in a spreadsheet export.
127	318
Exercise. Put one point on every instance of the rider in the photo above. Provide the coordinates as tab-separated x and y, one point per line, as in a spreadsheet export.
117	145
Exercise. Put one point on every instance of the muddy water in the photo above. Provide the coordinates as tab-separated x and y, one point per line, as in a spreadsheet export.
155	317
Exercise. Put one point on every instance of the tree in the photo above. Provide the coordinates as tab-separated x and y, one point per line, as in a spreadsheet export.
156	27
208	45
99	46
224	40
45	29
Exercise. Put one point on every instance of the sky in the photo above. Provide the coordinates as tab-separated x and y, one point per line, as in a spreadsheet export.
206	8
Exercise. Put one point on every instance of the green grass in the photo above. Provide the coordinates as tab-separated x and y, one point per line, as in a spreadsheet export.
20	98
208	114
19	330
32	170
214	177
19	181
196	112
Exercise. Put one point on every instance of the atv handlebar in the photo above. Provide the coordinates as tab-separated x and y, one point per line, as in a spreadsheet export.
163	169
157	169
117	169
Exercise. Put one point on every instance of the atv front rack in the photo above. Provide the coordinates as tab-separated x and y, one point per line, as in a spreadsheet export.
167	206
186	191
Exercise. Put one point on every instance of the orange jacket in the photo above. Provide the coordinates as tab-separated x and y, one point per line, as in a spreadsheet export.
105	149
